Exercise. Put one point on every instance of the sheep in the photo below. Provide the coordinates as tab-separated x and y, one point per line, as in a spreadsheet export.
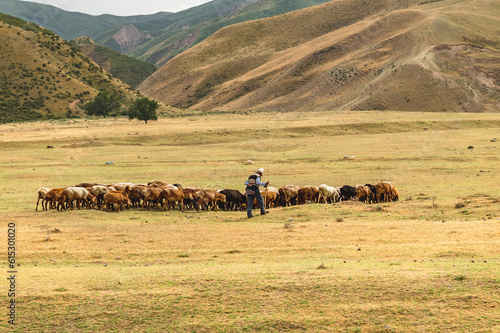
328	194
205	197
270	194
150	194
157	183
190	199
42	193
386	189
121	186
287	193
172	195
52	197
234	199
99	191
136	195
125	192
307	193
70	194
364	194
114	198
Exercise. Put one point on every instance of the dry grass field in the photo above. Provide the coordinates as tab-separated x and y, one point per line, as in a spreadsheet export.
427	263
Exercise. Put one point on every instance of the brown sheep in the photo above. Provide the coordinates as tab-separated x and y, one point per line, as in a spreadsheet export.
136	195
111	199
157	183
288	193
53	196
206	197
307	193
150	195
364	194
172	195
124	190
395	193
270	194
99	191
190	200
385	189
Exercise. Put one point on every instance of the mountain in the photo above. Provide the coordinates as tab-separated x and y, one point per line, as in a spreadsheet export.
43	76
128	69
70	25
407	55
177	32
152	38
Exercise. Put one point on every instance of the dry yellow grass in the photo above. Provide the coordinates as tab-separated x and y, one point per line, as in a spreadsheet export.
429	262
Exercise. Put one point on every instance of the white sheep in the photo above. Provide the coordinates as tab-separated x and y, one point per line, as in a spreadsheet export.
42	192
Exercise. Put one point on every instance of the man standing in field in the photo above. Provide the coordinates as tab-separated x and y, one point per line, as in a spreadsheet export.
252	192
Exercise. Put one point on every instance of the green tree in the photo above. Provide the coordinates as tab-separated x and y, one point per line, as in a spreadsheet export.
102	105
143	109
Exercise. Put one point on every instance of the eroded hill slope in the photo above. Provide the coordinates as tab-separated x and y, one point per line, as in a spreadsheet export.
345	54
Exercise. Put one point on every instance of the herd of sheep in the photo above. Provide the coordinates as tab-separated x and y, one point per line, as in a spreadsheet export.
161	195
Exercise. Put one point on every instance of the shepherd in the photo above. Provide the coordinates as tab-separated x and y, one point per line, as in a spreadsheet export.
252	192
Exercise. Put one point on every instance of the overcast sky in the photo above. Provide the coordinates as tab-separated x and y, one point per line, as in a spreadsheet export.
122	7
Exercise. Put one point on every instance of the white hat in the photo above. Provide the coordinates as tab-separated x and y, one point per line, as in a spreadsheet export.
261	170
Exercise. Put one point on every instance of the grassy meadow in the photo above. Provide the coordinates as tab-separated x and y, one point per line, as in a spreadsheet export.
427	263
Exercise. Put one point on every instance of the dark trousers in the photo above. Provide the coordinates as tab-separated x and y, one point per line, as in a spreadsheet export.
260	200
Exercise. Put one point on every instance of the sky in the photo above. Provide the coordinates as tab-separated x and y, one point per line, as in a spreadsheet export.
122	7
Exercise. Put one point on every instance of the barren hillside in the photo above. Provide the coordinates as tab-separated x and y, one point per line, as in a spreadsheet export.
345	54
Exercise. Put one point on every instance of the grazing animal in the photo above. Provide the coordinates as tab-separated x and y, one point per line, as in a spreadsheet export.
115	198
307	193
136	196
347	192
52	197
42	193
374	191
157	183
78	194
190	201
235	200
151	196
364	194
395	193
289	194
219	197
122	186
206	197
124	191
270	195
328	194
99	191
385	189
172	195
